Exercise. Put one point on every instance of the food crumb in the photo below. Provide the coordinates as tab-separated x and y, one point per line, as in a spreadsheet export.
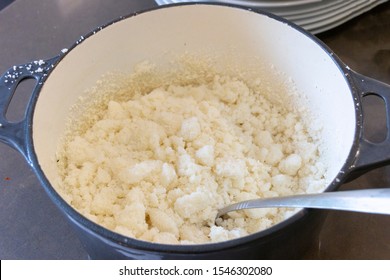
156	164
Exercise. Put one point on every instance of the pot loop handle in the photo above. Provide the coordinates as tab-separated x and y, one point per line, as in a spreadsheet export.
14	134
372	155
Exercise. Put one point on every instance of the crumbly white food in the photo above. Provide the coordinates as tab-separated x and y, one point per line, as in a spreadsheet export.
159	165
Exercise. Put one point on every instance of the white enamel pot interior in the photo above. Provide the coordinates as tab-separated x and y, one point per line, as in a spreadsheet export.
160	34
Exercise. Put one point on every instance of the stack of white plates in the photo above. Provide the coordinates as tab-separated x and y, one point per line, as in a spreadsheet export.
313	15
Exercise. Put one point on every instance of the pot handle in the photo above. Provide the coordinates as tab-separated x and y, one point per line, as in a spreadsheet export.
372	155
13	133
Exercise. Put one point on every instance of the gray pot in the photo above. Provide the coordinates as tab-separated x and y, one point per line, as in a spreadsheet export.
333	91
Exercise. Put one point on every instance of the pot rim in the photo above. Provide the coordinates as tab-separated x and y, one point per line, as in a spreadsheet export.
130	242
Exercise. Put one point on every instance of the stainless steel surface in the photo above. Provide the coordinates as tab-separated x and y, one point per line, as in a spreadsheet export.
31	227
367	201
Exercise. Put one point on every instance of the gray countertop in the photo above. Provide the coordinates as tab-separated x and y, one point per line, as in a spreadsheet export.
31	226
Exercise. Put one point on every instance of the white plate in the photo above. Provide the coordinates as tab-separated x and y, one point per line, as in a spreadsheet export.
329	13
327	25
313	15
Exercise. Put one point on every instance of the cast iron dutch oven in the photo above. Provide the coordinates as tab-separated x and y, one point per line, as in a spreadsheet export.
333	91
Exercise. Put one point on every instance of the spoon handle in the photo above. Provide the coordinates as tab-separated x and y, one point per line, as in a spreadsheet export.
369	201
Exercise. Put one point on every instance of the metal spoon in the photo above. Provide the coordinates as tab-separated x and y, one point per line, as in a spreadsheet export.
369	201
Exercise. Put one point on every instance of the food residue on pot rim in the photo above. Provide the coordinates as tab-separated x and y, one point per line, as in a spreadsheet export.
16	74
156	153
